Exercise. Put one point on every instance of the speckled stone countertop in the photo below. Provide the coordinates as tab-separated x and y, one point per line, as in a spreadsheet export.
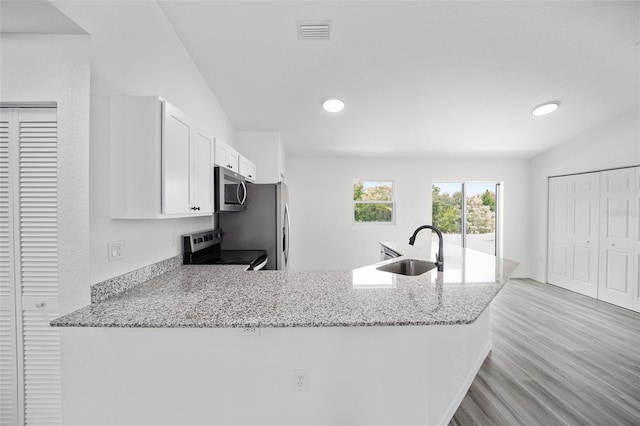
228	296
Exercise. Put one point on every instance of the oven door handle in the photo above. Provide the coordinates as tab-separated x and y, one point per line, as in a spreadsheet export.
260	265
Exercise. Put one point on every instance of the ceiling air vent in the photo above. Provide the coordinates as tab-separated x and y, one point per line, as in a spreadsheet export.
314	30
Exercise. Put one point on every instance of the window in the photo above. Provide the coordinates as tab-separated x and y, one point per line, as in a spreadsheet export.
373	202
468	206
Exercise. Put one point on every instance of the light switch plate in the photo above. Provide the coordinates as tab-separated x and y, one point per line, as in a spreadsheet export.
115	251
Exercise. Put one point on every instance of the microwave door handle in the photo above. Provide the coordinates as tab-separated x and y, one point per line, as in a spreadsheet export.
244	193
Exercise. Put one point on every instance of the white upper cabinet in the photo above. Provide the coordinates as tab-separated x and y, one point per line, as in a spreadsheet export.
226	156
202	172
176	167
247	169
160	161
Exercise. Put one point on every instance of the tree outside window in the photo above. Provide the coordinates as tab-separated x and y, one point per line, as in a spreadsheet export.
373	202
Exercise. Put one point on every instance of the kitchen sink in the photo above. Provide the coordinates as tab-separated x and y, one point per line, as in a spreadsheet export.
410	267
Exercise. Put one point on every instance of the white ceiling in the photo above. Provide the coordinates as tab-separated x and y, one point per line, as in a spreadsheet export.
34	17
418	78
421	78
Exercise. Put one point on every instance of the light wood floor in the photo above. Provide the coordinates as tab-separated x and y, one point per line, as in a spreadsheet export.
558	358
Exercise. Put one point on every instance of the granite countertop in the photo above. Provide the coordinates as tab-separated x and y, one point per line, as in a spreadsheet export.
215	296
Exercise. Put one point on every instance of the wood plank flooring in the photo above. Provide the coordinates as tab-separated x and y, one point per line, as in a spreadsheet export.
558	358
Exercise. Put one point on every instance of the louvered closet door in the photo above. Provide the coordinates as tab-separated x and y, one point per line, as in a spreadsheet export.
8	330
636	258
32	248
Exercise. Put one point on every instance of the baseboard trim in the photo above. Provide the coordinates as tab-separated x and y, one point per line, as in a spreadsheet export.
455	404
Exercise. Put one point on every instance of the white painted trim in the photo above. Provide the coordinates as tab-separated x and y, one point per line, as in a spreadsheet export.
455	404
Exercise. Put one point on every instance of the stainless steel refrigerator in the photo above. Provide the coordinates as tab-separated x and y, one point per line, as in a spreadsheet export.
264	224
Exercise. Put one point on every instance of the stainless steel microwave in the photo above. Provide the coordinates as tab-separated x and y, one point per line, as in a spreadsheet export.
230	193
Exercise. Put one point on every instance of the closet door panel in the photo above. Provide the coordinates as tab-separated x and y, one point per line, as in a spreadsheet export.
617	251
636	233
573	232
29	225
582	264
8	331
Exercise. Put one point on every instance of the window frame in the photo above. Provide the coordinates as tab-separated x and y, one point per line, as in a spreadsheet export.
392	202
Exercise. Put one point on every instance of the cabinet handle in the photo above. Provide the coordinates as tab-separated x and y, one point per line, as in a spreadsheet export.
195	208
41	304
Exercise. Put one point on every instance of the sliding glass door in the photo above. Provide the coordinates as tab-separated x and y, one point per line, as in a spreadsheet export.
466	213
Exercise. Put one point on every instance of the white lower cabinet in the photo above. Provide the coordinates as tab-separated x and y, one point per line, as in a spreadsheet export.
594	235
160	161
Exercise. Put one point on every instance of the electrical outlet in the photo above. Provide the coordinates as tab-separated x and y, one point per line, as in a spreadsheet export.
249	331
173	238
115	250
299	380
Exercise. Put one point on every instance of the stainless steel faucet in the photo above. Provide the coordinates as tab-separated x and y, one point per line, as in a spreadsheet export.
440	254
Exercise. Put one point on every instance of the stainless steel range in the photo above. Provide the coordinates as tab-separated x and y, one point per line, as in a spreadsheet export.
203	248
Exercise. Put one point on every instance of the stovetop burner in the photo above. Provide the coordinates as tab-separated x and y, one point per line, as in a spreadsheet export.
203	248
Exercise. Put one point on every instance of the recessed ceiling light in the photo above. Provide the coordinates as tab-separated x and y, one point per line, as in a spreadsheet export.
333	105
545	108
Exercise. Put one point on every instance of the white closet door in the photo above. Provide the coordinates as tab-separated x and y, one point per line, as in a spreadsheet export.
31	250
636	220
573	233
8	330
618	236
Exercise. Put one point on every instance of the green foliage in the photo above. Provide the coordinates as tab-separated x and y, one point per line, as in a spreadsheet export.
372	212
489	199
380	192
480	218
447	212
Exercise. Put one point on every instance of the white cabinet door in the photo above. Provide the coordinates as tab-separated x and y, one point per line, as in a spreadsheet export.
247	169
158	160
618	237
175	161
573	233
202	173
226	156
187	173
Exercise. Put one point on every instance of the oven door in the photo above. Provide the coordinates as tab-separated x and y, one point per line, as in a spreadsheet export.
230	191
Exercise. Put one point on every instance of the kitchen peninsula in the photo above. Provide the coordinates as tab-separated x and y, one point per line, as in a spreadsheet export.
219	345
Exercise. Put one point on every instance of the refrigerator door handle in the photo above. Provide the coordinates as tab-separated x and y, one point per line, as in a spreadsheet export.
285	235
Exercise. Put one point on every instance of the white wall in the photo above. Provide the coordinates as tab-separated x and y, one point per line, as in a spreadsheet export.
615	143
321	191
56	68
266	151
133	59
